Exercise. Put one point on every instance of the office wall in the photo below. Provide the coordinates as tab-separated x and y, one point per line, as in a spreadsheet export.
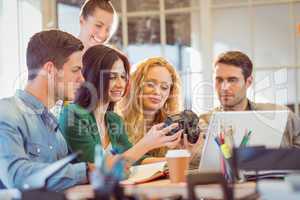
270	39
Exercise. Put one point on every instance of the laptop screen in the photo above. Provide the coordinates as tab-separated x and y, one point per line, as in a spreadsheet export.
265	127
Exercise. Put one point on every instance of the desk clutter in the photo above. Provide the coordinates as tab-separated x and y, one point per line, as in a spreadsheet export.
239	164
106	184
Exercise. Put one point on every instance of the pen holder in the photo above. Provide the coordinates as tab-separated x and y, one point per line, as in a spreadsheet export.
227	164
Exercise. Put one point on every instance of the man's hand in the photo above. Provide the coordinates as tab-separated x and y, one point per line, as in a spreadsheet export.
192	148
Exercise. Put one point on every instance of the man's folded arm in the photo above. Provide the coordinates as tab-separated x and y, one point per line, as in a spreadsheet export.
16	165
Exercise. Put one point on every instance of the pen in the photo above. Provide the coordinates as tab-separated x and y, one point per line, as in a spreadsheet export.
228	137
249	133
245	139
217	141
222	138
225	151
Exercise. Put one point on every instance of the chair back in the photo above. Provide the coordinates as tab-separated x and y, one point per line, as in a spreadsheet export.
205	178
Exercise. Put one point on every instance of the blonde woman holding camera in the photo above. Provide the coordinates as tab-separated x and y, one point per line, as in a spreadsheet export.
154	94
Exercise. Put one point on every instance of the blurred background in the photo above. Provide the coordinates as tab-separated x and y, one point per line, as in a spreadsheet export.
189	33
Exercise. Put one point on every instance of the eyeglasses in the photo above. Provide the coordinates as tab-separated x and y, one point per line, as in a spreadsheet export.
152	85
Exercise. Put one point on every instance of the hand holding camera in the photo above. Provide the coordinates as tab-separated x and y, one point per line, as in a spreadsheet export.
158	136
187	121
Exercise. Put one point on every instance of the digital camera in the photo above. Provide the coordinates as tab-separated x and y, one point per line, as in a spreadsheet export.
186	120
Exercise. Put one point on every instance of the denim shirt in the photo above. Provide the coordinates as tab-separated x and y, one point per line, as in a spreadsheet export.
30	140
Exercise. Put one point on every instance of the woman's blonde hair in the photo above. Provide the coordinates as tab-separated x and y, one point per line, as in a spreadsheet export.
131	107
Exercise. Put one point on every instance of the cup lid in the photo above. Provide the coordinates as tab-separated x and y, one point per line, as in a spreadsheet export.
178	153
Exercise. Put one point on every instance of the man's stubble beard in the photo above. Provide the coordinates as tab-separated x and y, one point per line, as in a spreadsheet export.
232	106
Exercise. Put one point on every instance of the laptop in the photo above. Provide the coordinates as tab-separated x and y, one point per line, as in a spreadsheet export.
267	128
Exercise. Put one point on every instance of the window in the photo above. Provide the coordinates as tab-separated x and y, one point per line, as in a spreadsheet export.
152	29
16	15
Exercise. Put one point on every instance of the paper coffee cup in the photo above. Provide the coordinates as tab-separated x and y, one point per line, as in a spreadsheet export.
178	164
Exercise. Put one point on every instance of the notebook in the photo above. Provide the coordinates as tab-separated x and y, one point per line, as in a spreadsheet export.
145	173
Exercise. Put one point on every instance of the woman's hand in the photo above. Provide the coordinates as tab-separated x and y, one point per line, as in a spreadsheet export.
192	148
156	137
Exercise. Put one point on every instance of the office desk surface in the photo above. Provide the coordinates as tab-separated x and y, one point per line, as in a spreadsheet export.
163	188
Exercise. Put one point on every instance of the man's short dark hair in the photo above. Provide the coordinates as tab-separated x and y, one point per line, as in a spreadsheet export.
237	59
51	45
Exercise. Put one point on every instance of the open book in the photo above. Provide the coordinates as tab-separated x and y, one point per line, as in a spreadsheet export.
145	173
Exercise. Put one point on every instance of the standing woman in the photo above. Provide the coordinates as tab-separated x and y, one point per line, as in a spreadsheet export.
98	22
91	119
154	94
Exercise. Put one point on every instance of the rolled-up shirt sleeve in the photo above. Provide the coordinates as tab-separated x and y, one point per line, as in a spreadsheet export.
17	165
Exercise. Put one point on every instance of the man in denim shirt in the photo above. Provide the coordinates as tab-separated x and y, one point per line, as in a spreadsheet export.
30	139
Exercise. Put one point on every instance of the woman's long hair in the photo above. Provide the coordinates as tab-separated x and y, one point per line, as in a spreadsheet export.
97	64
131	106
